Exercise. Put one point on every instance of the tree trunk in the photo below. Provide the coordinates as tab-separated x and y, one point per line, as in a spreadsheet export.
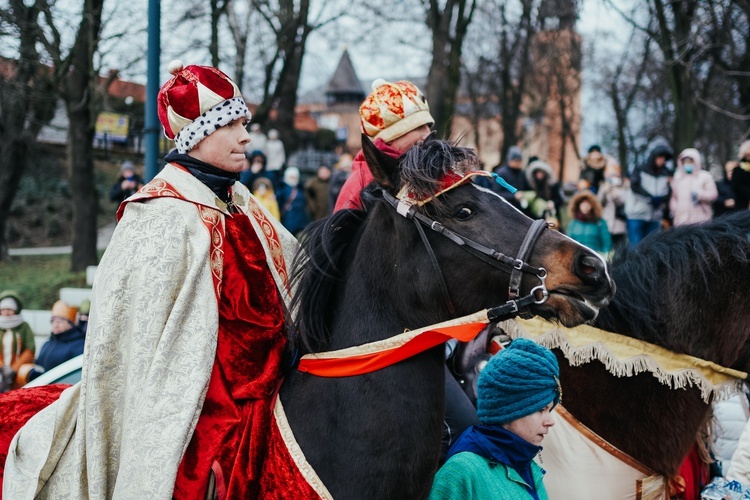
80	85
678	70
27	101
213	46
444	77
292	39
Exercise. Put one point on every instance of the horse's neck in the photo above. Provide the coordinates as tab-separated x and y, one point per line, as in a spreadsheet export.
649	421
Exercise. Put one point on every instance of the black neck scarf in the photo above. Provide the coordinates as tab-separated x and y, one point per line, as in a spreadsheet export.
219	181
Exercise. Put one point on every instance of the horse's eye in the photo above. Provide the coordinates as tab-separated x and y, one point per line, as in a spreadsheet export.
464	213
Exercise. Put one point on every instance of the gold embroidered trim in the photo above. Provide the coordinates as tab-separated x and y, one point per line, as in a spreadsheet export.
296	452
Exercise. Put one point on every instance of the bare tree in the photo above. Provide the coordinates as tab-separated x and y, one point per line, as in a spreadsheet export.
448	25
77	83
239	26
27	102
291	25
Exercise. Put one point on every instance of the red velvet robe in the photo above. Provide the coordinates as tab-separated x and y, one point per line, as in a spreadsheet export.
231	436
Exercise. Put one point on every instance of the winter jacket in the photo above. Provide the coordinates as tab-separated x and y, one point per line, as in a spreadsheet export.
726	192
612	198
22	346
118	194
360	178
316	196
338	179
741	184
692	193
291	200
649	188
516	177
58	349
267	197
593	171
739	469
542	192
467	476
594	235
729	420
275	154
248	177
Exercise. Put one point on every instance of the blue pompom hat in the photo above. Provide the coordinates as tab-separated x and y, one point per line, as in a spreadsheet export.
517	381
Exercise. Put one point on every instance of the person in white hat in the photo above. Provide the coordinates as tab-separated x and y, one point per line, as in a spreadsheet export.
183	352
17	346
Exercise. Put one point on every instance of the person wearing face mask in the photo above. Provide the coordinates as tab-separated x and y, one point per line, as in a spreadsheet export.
292	205
263	192
516	393
255	168
693	190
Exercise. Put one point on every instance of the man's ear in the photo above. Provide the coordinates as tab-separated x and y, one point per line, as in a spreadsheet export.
384	168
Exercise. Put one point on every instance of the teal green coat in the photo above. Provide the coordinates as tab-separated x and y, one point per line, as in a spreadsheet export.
469	476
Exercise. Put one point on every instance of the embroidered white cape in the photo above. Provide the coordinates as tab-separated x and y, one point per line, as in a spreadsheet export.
122	431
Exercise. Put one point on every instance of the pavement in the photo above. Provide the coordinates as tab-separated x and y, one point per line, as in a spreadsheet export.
103	237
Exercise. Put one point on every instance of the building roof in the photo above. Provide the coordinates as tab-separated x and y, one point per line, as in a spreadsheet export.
344	79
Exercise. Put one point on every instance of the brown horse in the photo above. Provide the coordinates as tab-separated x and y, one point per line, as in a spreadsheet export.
368	275
685	289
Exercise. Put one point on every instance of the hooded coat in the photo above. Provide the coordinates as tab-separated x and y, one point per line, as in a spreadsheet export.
649	188
692	193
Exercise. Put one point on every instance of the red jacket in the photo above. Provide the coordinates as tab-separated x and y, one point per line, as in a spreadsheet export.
360	178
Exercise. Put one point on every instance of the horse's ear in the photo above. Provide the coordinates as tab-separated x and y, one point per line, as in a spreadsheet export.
384	167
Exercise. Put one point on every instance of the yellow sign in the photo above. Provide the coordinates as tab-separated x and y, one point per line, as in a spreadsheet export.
112	126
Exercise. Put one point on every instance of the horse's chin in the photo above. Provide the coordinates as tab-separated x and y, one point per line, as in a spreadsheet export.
569	310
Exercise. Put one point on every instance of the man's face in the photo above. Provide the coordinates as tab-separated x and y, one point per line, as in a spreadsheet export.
406	141
7	312
514	164
660	161
225	148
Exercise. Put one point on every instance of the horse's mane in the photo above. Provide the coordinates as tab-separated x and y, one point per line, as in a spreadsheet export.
320	267
670	260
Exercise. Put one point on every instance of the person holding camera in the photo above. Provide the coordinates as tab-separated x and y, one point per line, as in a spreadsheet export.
127	184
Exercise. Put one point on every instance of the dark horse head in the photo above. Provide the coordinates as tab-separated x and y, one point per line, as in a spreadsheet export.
359	253
685	289
368	275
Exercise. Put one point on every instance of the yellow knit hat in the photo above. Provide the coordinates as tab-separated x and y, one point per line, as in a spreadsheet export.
393	109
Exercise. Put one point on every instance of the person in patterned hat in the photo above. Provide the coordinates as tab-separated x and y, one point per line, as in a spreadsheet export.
186	329
395	116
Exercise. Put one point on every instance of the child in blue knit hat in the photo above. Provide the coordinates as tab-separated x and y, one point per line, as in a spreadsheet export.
516	392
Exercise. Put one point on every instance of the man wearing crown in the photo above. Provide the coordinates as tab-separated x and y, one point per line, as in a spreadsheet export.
187	327
395	116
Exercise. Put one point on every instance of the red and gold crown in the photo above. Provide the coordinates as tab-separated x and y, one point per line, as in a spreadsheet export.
195	102
393	109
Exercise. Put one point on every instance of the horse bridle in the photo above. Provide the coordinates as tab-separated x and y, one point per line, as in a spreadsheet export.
515	266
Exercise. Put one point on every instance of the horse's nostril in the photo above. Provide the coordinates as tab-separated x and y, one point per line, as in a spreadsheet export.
589	267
